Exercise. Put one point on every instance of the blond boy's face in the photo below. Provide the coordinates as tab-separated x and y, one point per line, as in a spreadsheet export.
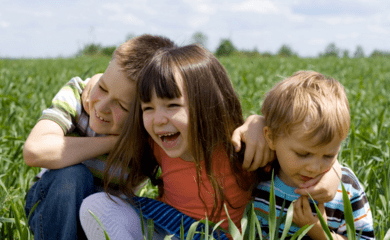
110	100
299	160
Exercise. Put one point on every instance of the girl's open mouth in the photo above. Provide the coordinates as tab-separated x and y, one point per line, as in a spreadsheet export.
169	140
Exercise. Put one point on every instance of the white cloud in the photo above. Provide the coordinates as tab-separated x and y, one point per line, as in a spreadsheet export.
127	19
4	24
202	6
317	41
342	20
348	36
256	6
116	8
197	22
378	29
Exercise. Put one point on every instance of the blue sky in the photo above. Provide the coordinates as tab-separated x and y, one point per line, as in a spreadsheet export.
32	28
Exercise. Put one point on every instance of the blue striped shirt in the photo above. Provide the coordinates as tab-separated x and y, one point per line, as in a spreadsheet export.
334	209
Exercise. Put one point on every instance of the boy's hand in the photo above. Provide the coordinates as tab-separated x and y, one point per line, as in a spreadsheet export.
257	152
87	90
324	187
303	215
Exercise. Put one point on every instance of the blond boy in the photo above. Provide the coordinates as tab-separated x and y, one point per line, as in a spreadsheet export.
306	119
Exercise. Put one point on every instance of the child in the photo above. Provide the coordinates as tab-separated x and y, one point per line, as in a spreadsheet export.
184	114
83	123
306	119
181	120
52	143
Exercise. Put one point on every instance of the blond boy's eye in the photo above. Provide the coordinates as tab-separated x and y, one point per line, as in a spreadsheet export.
302	155
123	108
101	88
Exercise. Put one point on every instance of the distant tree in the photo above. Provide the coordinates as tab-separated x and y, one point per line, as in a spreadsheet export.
378	53
285	51
91	49
359	53
108	51
225	48
266	54
331	50
199	38
345	53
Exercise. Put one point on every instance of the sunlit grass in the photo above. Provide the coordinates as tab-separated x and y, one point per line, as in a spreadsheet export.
27	87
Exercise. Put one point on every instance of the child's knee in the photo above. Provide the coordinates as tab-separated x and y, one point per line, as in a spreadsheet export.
73	179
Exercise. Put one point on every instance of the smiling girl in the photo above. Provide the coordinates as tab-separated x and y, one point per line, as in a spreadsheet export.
182	120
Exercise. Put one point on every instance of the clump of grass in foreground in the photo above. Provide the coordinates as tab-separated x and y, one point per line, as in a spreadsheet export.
251	228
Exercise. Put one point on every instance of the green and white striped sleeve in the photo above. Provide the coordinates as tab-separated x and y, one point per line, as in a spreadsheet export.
66	106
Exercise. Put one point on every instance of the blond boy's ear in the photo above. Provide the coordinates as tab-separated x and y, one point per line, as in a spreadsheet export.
269	137
87	91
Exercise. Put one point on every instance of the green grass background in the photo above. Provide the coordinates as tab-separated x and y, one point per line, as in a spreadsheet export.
27	87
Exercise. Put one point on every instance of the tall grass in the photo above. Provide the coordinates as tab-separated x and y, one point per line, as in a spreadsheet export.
27	87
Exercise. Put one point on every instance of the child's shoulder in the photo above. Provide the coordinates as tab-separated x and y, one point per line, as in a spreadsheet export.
349	179
77	83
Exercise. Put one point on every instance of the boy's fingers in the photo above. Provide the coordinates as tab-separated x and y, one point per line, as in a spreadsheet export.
236	138
297	206
249	157
305	205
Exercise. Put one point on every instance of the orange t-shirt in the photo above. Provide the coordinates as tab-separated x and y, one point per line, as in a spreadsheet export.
181	189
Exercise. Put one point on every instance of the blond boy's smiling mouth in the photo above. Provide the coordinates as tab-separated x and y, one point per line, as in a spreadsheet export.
101	118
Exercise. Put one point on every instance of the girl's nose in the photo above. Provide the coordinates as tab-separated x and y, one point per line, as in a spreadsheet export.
160	118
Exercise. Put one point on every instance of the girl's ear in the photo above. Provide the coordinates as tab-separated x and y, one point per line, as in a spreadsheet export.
269	138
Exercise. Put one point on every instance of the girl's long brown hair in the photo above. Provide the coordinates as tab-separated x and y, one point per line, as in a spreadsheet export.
214	113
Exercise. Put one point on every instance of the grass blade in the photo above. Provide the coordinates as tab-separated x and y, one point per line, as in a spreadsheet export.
348	214
233	230
387	236
100	223
322	221
272	212
287	223
150	227
192	231
181	229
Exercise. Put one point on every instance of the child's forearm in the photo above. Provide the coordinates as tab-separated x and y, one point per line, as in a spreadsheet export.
51	149
317	233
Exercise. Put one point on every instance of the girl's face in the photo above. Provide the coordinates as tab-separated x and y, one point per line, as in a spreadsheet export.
110	100
166	121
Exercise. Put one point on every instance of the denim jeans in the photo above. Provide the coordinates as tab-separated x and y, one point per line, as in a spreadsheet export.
60	193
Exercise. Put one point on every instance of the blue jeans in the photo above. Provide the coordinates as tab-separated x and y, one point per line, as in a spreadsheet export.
60	193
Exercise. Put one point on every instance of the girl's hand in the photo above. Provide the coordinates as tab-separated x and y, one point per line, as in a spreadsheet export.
322	188
303	215
87	90
257	152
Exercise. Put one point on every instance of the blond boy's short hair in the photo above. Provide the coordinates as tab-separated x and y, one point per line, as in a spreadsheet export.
310	102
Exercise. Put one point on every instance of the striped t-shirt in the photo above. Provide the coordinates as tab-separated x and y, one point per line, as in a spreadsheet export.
334	209
68	112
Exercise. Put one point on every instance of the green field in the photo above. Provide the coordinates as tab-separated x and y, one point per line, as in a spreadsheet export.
27	87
